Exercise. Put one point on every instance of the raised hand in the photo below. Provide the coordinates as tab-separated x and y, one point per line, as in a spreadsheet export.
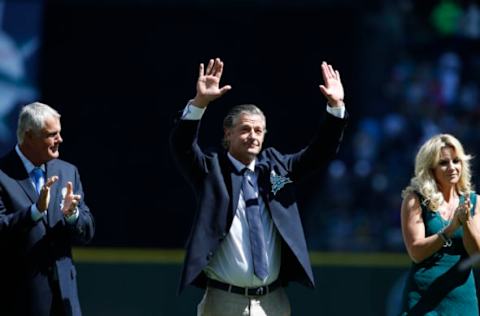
208	83
44	198
70	201
332	87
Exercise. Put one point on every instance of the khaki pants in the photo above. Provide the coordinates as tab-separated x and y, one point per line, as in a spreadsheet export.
217	302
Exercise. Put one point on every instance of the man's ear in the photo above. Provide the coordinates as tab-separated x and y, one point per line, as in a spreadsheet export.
29	134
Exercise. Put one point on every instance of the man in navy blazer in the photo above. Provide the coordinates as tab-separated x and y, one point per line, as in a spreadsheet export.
42	213
247	240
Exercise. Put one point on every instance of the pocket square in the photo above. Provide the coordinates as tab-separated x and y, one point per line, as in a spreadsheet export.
278	182
62	202
64	193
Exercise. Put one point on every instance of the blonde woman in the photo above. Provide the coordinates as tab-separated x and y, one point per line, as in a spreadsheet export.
441	230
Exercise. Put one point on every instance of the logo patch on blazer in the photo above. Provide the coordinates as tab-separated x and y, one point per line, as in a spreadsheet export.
278	182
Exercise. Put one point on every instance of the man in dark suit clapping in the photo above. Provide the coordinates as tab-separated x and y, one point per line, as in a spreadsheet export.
42	213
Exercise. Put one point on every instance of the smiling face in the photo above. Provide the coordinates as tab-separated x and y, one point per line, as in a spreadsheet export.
42	146
246	137
449	168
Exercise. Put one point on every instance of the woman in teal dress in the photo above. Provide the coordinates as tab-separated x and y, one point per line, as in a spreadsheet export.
441	230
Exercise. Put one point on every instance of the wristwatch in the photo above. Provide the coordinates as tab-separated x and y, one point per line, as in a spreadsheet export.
72	214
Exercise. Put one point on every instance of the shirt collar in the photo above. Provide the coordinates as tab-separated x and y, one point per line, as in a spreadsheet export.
240	166
29	166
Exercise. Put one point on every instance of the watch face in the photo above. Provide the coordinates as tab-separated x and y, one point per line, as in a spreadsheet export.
73	213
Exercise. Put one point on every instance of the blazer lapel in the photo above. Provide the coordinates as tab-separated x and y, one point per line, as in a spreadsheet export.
26	185
15	169
236	185
233	182
263	179
54	212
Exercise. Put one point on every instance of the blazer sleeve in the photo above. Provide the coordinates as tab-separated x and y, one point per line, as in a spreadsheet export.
13	222
185	150
83	230
321	150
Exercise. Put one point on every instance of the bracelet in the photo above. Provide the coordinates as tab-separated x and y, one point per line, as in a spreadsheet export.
447	242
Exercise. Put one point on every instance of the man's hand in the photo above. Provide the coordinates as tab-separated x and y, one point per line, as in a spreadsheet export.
44	198
208	83
332	88
70	201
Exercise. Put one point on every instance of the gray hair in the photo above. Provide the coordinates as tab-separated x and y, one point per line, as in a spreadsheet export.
232	116
32	118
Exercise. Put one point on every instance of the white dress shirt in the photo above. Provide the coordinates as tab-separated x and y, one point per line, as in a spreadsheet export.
232	263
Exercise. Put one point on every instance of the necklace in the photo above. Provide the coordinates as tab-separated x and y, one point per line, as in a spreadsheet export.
447	242
446	212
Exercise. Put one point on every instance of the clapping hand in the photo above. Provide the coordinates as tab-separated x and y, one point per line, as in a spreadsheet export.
463	212
71	201
44	197
208	83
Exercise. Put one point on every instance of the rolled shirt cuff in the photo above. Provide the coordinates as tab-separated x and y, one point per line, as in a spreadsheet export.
338	111
36	214
192	112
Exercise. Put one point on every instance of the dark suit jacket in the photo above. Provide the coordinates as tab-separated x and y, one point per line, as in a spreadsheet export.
217	183
32	251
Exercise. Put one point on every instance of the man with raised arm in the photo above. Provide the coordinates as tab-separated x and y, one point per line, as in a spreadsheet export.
247	241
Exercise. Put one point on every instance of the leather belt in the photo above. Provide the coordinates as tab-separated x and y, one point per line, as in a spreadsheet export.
247	291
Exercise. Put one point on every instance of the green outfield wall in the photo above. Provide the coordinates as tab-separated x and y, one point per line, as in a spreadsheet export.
141	282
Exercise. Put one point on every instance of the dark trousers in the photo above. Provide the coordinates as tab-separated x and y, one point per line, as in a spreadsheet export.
57	307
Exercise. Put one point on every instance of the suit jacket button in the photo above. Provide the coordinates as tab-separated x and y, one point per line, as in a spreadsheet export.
209	256
223	236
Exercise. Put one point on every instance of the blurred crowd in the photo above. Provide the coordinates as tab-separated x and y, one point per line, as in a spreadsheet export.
430	86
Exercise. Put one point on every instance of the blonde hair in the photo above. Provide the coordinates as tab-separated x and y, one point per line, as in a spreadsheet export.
427	159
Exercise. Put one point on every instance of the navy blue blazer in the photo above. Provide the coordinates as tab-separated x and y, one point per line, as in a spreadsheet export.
217	183
32	251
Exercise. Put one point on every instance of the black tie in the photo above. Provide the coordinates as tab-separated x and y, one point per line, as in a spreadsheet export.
256	231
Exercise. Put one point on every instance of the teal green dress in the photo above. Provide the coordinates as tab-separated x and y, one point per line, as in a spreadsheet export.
436	286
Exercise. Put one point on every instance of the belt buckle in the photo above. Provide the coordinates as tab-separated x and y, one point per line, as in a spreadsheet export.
259	291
